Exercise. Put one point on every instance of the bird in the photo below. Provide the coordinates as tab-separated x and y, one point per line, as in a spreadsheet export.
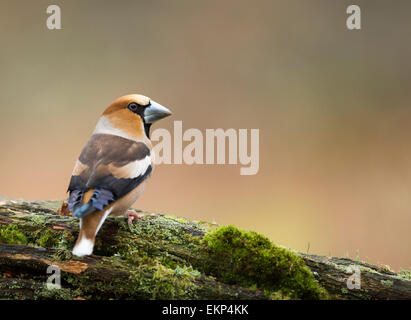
113	167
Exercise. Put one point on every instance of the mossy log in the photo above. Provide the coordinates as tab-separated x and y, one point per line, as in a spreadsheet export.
165	257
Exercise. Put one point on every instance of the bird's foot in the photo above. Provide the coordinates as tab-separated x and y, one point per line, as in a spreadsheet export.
131	215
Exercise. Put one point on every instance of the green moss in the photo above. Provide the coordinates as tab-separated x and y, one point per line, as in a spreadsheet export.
156	275
405	274
27	288
243	258
167	241
62	255
385	268
250	259
187	271
11	234
171	229
339	267
145	280
166	283
57	294
47	239
66	240
366	269
181	220
38	219
387	283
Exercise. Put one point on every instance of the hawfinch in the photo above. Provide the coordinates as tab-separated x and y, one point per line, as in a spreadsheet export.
113	167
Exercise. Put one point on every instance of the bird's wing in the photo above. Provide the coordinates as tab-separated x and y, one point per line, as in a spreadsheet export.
112	166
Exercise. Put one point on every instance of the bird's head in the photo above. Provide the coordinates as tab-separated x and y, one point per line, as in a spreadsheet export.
134	114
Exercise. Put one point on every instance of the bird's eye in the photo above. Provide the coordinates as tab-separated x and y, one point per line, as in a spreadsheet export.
133	106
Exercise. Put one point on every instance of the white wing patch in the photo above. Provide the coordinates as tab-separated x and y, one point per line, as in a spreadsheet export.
138	167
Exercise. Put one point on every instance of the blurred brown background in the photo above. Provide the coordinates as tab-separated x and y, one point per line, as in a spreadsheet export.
333	107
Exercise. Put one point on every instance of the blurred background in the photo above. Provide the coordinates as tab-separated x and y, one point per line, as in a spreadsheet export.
333	107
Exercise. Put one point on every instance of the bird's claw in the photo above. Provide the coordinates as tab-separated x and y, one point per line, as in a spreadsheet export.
131	215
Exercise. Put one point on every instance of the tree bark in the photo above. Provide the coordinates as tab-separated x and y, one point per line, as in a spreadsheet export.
168	264
375	282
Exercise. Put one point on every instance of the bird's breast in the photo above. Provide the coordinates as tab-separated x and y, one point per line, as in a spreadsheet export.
125	202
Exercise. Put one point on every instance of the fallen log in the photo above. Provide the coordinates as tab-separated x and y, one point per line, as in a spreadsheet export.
166	257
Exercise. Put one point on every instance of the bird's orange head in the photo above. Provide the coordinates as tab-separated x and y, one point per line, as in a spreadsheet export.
132	115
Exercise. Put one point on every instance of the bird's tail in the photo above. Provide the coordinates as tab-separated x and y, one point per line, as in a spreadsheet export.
83	210
93	200
90	223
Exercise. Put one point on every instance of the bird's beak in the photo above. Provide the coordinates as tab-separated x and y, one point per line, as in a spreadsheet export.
155	112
